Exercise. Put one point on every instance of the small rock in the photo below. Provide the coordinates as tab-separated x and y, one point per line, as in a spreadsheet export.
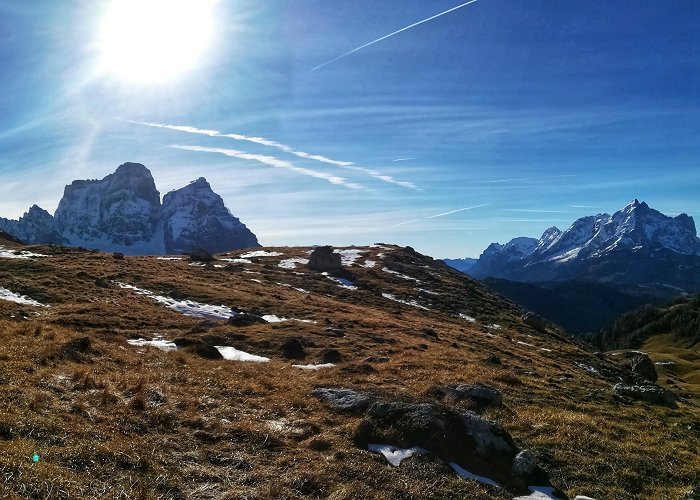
335	332
201	255
118	256
649	393
331	356
377	359
481	394
524	463
493	360
644	366
293	349
535	321
101	283
207	352
344	399
693	494
323	259
244	319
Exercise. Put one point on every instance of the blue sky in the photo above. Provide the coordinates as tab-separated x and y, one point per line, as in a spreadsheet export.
527	114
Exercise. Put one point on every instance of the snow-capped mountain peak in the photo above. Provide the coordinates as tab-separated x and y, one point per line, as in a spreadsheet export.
635	232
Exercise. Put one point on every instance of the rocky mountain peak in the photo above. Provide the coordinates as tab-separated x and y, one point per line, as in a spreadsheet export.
123	212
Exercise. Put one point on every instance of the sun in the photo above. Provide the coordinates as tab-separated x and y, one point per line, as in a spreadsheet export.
152	41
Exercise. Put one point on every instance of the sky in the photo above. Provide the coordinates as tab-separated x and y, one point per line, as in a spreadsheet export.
498	119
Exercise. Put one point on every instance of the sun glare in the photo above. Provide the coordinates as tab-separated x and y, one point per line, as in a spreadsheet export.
154	41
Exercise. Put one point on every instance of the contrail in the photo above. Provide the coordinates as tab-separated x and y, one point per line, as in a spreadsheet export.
442	214
392	34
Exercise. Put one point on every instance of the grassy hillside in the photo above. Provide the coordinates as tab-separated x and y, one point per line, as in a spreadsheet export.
109	419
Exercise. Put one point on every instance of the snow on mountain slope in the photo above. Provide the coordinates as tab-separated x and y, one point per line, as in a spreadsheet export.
35	226
633	244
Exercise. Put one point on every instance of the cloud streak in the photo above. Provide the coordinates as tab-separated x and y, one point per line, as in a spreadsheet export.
275	162
442	214
285	148
392	34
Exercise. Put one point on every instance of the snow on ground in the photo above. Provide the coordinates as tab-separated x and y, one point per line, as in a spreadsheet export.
233	354
466	317
348	256
6	294
665	363
186	307
408	303
197	264
342	282
293	287
399	275
382	247
292	263
588	368
257	281
168	258
393	454
159	342
259	253
18	254
369	263
314	367
429	292
524	343
493	326
272	318
238	261
474	477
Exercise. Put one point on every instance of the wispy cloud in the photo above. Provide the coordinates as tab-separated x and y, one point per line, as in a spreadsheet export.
533	211
403	159
442	214
392	34
273	162
582	206
285	148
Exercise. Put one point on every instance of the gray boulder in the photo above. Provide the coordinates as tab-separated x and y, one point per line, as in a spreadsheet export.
524	463
481	395
652	394
344	399
644	367
323	259
535	321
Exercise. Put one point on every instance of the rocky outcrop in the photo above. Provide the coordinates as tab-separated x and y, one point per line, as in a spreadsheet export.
323	259
652	394
196	217
122	213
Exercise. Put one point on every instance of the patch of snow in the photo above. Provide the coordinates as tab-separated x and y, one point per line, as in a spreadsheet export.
383	247
471	319
545	349
393	454
524	343
293	287
259	253
186	307
408	303
197	264
369	263
588	368
159	342
292	263
6	294
233	354
342	282
494	326
429	292
238	261
463	473
18	254
665	363
272	318
314	367
399	275
257	281
349	256
171	258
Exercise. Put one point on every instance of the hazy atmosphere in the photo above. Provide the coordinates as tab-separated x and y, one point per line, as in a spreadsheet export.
496	119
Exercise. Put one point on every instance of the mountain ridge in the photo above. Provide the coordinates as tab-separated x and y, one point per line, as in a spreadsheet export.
122	212
636	244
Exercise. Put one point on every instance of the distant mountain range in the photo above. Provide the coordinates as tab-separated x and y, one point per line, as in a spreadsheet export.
637	255
123	213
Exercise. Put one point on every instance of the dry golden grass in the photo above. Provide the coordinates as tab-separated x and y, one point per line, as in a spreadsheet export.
120	421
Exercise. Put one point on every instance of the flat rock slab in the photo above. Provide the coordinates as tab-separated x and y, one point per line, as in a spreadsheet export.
344	399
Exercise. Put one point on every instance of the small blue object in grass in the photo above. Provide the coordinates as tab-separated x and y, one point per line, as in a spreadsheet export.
35	458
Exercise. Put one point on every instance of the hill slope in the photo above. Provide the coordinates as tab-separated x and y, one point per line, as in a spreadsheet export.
109	415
